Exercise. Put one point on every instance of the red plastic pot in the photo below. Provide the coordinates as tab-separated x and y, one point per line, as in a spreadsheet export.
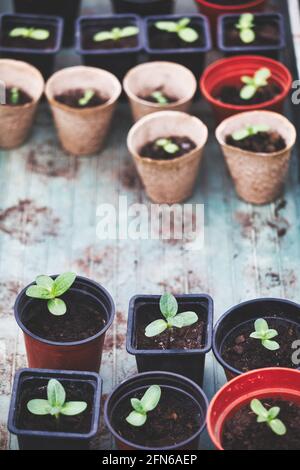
228	72
262	383
84	355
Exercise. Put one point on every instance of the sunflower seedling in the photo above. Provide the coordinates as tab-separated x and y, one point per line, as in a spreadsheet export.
270	417
252	84
181	28
116	34
169	308
149	402
265	335
167	145
14	95
245	26
30	33
249	132
159	97
50	289
86	98
56	404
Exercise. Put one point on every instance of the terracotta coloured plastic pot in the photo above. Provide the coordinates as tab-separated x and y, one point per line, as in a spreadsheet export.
126	389
83	131
258	177
228	72
249	312
82	355
172	79
263	383
16	121
168	181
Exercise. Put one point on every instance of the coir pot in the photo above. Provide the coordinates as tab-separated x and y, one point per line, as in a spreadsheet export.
144	7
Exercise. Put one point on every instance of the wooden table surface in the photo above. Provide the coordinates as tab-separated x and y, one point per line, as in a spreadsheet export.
48	203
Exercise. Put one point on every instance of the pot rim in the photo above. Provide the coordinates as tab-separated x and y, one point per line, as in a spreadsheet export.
73	343
145	375
215	349
214	6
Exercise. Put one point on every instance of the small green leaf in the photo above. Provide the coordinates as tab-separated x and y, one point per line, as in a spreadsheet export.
129	31
258	408
256	335
247	92
261	326
136	419
247	80
168	305
39	34
246	20
247	36
18	32
240	135
160	98
63	283
278	427
38	407
151	398
73	408
171	148
45	281
271	334
188	35
260	128
37	292
15	95
162	142
271	345
56	393
155	328
273	412
169	26
184	22
184	319
88	95
261	77
137	405
103	36
57	307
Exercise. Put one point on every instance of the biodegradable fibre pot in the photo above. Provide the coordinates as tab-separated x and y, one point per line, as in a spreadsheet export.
258	177
228	72
141	382
144	7
78	355
189	363
45	440
16	121
172	79
168	181
83	131
245	313
263	383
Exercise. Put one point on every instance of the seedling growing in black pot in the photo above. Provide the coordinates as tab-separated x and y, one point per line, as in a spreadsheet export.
35	34
181	28
245	26
269	417
249	132
252	84
169	308
149	402
116	34
265	335
50	289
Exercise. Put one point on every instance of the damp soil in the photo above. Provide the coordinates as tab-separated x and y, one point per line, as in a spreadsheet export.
188	338
242	432
176	418
37	389
27	43
245	353
231	95
72	97
267	33
89	31
262	142
148	96
84	319
24	98
156	152
164	40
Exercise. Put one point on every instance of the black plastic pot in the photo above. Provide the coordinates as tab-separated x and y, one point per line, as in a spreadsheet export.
144	7
40	440
272	51
191	57
118	61
189	363
248	312
42	59
67	9
138	382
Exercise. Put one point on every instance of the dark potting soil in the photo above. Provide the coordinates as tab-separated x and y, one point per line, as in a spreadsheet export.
263	142
24	98
84	319
266	34
176	418
163	40
89	32
71	98
188	338
155	152
28	43
151	99
37	389
242	432
245	353
231	95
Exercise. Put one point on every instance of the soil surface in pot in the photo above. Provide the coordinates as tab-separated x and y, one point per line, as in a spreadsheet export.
72	98
84	319
245	353
176	418
242	432
266	34
37	389
27	43
148	96
262	142
231	95
156	152
188	338
163	40
23	97
89	32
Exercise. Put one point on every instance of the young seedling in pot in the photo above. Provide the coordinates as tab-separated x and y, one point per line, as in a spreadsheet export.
56	404
14	96
50	290
36	34
149	402
116	34
252	84
169	310
167	145
269	417
86	98
160	97
264	334
249	131
245	26
181	28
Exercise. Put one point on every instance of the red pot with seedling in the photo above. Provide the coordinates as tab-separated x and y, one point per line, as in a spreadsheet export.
245	83
259	410
64	320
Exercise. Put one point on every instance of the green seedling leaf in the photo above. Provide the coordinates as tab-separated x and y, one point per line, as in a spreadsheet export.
168	305
136	419
246	25
37	292
151	398
30	33
15	95
39	34
137	405
18	32
247	36
169	26
149	402
168	146
159	97
188	35
270	345
63	283
265	334
129	31
249	131
259	80
88	95
73	408
278	427
185	33
156	328
268	417
39	407
247	92
57	307
102	36
116	34
56	393
45	281
184	319
261	77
